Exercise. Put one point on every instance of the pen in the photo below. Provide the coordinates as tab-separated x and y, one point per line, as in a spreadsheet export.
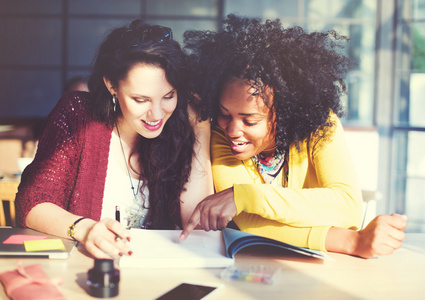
117	213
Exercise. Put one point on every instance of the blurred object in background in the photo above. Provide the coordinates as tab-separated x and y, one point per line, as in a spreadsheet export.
76	84
16	141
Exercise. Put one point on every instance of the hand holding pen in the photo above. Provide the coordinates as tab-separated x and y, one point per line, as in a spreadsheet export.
106	238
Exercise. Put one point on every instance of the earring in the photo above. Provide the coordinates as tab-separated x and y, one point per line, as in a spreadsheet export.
114	101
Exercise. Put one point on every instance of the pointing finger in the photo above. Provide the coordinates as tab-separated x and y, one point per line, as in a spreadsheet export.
191	224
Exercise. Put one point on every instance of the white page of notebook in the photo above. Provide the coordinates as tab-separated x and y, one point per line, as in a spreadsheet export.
163	249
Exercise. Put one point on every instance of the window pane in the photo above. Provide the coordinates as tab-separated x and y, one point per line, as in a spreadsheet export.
416	101
38	44
418	7
359	101
30	7
409	187
418	61
359	9
361	49
86	35
411	104
180	26
28	94
411	75
204	8
108	7
265	9
411	47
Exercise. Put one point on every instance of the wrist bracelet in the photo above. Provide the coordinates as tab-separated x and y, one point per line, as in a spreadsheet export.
71	229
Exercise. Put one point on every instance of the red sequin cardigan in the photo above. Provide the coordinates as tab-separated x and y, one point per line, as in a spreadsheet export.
70	165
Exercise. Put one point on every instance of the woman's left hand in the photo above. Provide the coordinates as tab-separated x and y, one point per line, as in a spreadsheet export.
382	236
213	213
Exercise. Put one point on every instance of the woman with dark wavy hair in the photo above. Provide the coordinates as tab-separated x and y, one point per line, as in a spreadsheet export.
280	164
131	146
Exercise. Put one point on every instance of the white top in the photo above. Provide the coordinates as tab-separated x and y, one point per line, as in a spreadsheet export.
118	191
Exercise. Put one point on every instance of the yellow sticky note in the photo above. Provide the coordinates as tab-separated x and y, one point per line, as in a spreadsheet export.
43	245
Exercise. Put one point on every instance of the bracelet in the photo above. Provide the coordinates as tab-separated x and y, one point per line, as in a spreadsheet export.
71	229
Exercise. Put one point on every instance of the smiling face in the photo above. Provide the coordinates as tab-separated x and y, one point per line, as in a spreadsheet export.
245	119
147	101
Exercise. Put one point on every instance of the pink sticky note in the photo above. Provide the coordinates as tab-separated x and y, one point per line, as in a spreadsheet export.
19	239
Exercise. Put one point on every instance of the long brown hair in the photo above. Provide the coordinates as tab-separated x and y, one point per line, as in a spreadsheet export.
165	161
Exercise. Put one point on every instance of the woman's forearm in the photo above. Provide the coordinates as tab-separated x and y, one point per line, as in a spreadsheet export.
200	183
99	238
52	219
341	240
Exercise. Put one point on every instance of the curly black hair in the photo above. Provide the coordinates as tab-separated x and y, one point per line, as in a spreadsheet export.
165	161
305	72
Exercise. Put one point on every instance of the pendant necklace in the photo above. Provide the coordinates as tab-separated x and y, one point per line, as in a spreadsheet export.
137	212
128	169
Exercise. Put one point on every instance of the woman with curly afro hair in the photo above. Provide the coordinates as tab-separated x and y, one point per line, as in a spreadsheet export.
281	166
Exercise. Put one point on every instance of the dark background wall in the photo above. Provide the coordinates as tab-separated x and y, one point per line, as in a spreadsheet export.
44	43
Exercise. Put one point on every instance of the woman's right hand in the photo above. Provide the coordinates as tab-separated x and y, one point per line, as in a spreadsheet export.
104	239
212	213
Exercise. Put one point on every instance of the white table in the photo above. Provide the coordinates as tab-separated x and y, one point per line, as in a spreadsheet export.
397	276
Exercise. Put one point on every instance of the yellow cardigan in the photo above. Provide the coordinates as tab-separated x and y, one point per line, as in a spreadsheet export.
323	190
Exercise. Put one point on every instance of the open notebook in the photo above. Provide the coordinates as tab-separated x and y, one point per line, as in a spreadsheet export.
213	249
163	249
28	243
